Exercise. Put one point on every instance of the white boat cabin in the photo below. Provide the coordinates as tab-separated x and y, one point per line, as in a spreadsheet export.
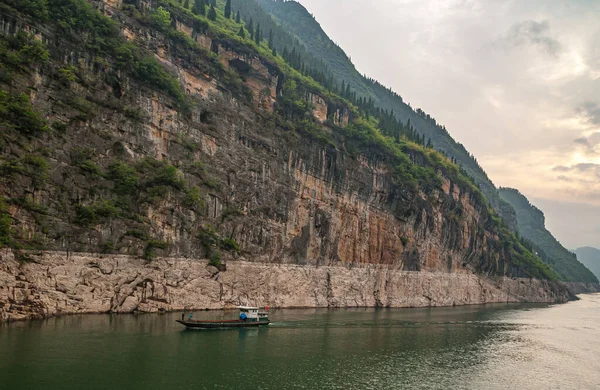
249	313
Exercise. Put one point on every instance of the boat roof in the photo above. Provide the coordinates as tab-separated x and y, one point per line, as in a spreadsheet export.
248	308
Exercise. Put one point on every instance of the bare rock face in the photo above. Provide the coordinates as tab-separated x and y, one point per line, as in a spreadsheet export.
320	107
53	284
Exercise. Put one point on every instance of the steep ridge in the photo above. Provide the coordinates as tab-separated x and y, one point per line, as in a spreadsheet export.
143	130
532	226
590	257
297	20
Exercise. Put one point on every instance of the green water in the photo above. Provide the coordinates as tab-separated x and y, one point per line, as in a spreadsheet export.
505	346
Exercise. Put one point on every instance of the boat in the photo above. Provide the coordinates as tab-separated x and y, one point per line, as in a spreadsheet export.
249	317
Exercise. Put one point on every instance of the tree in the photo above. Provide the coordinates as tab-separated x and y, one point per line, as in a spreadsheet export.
238	19
228	9
257	35
274	52
242	33
199	7
271	39
161	18
212	13
186	4
250	28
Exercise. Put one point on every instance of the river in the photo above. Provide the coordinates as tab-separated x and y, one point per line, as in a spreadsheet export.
474	347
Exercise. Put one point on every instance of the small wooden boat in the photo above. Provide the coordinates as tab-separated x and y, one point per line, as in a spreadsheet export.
249	317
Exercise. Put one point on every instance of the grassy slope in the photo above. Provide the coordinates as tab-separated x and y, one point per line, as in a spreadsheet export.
531	226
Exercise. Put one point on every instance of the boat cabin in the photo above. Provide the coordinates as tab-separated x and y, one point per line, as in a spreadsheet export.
251	314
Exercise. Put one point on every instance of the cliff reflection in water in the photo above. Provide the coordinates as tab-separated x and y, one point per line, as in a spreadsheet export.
526	346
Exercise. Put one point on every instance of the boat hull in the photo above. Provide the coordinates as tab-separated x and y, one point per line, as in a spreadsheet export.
222	324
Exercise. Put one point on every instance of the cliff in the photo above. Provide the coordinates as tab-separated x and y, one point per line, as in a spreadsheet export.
531	222
139	129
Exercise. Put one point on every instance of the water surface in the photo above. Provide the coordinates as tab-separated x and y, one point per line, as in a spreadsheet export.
475	347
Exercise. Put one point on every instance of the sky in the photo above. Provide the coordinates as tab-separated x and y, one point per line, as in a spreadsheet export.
516	81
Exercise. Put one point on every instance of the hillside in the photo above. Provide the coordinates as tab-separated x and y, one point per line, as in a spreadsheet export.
134	132
293	17
590	257
531	222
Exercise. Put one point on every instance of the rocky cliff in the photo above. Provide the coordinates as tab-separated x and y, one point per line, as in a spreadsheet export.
54	283
141	129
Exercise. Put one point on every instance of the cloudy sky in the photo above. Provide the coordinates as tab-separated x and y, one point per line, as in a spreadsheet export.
516	81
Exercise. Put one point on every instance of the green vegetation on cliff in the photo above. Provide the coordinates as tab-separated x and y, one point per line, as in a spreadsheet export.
532	226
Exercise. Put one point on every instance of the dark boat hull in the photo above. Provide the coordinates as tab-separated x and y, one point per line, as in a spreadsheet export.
222	324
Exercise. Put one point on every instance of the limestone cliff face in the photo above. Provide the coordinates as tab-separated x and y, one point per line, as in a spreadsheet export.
288	210
54	284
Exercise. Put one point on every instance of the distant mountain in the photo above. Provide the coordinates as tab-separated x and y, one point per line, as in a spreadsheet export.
531	223
295	19
590	257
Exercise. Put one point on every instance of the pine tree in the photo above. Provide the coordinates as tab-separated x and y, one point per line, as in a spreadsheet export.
212	13
186	4
242	33
250	28
274	52
228	9
257	37
238	18
271	39
213	2
199	7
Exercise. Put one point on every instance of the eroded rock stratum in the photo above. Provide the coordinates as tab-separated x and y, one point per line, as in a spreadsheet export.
54	284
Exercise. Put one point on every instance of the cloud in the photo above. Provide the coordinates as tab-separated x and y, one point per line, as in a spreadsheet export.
586	169
591	111
565	178
533	33
591	143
